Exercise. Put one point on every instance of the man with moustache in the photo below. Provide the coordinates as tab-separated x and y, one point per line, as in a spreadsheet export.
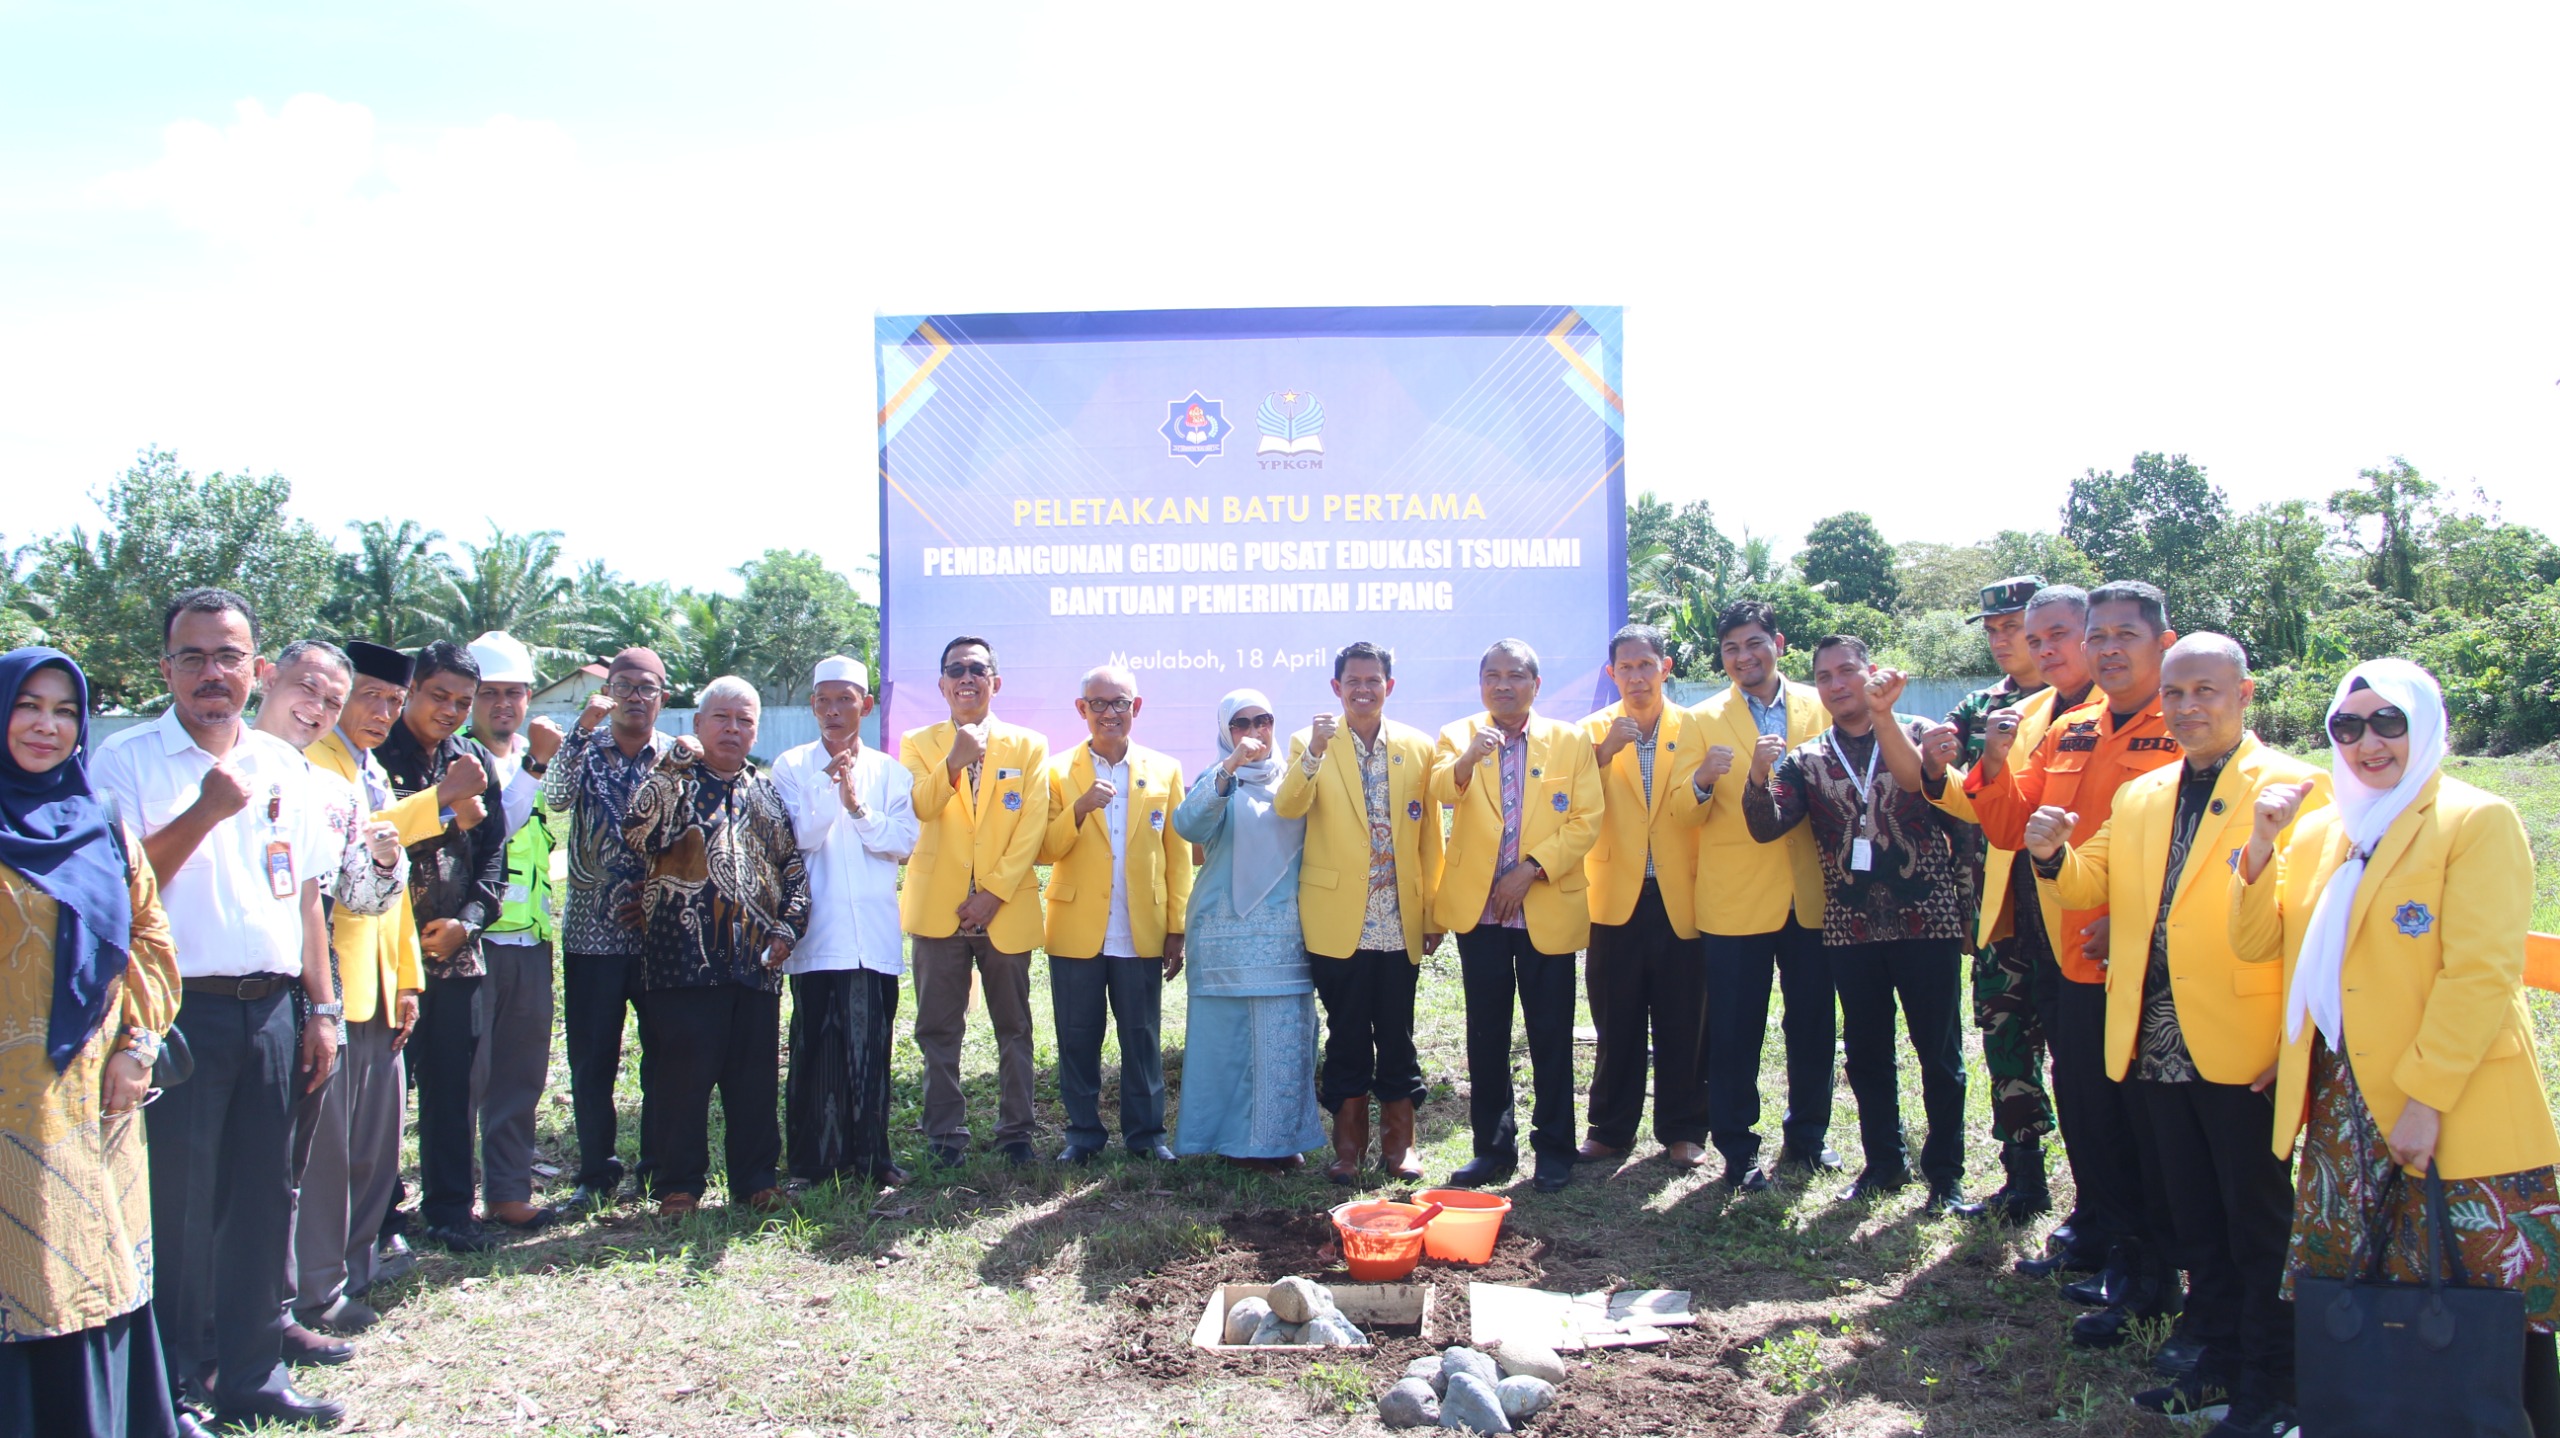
590	780
1362	784
512	1058
457	887
1760	910
1529	805
853	812
237	832
2087	754
1647	970
2191	1030
1119	884
973	898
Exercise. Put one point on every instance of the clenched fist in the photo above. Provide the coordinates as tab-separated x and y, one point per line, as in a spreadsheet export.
469	811
2048	829
1621	734
1320	733
1247	750
1765	756
543	738
1099	796
462	776
222	792
968	746
1486	742
1884	689
1999	732
1939	746
600	707
2276	809
382	841
1719	762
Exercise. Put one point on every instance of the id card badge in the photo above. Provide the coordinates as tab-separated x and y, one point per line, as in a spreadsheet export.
1862	855
280	868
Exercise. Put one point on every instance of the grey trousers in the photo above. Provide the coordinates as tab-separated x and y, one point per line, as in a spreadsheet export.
512	1065
355	1160
943	968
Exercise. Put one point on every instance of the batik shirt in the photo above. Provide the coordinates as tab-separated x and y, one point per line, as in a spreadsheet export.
459	874
2161	1054
1916	884
1513	761
592	776
724	875
1382	924
1972	714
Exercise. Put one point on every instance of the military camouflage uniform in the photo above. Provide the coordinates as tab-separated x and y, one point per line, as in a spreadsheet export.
2004	1006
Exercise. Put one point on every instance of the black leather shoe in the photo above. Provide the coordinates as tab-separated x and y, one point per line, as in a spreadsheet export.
1796	1162
292	1408
1745	1178
2103	1289
2178	1399
1077	1153
1876	1185
1159	1153
304	1348
464	1237
2110	1327
1951	1200
1017	1153
588	1197
2256	1420
950	1155
1552	1174
191	1426
1484	1169
2054	1263
2177	1357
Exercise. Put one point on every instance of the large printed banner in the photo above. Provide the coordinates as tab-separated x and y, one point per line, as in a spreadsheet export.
1221	499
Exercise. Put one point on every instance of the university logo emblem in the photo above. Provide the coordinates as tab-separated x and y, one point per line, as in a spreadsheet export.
1013	798
1195	429
1413	809
1155	819
2413	918
1290	423
1559	801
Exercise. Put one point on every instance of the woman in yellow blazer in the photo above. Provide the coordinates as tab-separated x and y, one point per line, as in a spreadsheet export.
2406	1035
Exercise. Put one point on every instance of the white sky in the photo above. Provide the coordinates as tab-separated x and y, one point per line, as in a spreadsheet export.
611	269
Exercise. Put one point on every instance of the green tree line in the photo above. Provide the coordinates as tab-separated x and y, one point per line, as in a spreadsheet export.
2391	564
98	591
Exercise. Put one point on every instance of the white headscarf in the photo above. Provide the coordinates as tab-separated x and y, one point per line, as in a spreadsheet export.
1265	843
2366	813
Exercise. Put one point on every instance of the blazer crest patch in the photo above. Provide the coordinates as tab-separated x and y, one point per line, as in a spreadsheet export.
1013	798
2413	918
1559	800
1155	820
1413	809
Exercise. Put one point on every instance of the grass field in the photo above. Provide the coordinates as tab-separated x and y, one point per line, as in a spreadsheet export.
995	1302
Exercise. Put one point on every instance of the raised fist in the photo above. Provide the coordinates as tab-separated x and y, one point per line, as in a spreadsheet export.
222	792
599	707
1719	762
1884	689
468	811
688	748
382	841
1100	795
2276	808
462	776
1487	740
1940	744
2048	829
1320	733
1248	750
1765	756
1999	731
543	738
968	746
1624	732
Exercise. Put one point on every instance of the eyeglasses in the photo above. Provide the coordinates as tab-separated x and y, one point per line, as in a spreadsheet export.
1109	706
195	661
1258	721
625	689
970	670
2386	721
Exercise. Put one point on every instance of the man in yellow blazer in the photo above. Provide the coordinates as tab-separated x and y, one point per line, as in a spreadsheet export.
1647	971
2191	1029
1362	783
1119	884
1759	907
1528	801
972	898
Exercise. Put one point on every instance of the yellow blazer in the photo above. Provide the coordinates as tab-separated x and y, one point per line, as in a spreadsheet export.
990	836
1333	878
2229	1011
1560	808
376	954
1155	866
2434	974
1745	886
1631	827
2034	717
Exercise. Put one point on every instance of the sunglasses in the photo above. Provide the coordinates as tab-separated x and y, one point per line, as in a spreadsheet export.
2386	721
1258	721
971	670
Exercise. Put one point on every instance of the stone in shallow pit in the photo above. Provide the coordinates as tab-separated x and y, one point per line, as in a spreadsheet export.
1429	1371
1410	1404
1517	1358
1243	1317
1523	1395
1462	1359
1296	1300
1333	1331
1273	1330
1472	1404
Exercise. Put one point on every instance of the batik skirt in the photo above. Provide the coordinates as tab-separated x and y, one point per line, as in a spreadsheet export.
836	1101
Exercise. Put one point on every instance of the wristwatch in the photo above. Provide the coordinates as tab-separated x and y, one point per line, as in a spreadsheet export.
328	1011
537	767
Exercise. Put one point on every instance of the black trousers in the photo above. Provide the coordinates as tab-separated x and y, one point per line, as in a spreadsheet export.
1130	993
1368	1027
222	1197
1926	976
1646	980
440	1053
2231	1201
2098	1133
695	1040
594	991
1494	963
104	1382
1739	968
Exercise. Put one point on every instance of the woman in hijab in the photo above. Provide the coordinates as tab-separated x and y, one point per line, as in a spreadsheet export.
2400	914
88	985
1249	1057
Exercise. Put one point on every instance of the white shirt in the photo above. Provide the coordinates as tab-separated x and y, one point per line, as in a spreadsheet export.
1117	941
852	863
224	915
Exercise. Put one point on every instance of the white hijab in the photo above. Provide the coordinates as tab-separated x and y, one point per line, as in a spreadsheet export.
2366	813
1265	844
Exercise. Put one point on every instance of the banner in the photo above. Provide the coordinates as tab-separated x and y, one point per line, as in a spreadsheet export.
1221	499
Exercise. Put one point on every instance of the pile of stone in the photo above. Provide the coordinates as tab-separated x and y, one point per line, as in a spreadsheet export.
1296	1312
1477	1392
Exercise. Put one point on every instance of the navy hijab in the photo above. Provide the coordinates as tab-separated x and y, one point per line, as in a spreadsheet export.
55	831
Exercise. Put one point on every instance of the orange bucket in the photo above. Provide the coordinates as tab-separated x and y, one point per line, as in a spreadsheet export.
1468	1224
1377	1246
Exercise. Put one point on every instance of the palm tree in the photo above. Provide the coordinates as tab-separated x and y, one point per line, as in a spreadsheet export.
513	583
387	589
620	613
714	643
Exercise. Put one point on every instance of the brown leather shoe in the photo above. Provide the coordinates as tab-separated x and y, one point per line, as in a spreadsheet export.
768	1200
678	1205
1594	1151
521	1215
1685	1154
1350	1140
1395	1141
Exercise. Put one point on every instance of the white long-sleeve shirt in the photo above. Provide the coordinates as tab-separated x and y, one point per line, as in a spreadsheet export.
852	863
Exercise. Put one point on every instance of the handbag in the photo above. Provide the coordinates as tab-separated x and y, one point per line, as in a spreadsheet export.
2387	1360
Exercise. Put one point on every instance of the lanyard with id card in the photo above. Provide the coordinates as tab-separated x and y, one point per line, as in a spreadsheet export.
1862	849
279	852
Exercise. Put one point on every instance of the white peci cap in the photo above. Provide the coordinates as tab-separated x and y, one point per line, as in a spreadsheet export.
835	669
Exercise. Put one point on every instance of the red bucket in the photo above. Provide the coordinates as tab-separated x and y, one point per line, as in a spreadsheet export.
1378	1245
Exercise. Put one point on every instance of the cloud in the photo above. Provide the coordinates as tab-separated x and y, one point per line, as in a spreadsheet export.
261	176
